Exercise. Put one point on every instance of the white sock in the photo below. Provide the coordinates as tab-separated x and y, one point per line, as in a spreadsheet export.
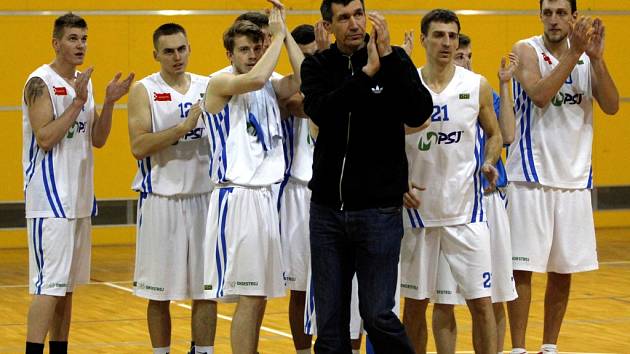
303	351
203	350
519	351
549	348
163	350
356	351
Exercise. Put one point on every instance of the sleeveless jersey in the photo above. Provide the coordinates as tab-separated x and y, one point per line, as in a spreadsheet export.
446	157
246	140
553	145
59	183
182	168
298	149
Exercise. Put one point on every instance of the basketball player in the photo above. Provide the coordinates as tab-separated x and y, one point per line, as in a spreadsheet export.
60	127
448	160
246	159
170	143
549	163
444	326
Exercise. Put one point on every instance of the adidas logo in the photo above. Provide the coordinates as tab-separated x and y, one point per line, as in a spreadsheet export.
377	89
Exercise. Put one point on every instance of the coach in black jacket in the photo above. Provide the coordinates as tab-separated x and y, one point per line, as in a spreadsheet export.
360	93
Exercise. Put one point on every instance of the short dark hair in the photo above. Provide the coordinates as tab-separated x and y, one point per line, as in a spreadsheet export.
326	8
464	41
303	34
166	30
438	15
69	20
258	18
241	28
572	2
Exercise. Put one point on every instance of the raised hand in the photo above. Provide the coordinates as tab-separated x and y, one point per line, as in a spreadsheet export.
81	85
374	62
580	34
595	48
382	33
507	70
408	42
280	6
322	37
116	89
276	23
492	175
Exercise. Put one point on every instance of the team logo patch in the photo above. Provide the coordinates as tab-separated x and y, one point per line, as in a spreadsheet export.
161	96
580	62
464	96
60	91
546	58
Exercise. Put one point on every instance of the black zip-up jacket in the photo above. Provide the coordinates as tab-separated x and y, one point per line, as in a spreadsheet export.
359	160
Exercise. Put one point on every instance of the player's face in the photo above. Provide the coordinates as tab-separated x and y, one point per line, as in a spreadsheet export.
246	54
72	45
463	57
172	53
348	24
308	49
556	17
441	41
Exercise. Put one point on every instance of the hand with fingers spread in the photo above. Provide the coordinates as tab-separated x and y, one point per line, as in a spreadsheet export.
580	34
276	23
116	89
408	42
507	69
81	85
595	48
280	6
382	33
322	37
492	175
410	198
374	62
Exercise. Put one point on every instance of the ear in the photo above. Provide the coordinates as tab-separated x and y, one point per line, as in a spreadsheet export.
189	49
155	53
228	54
422	38
55	44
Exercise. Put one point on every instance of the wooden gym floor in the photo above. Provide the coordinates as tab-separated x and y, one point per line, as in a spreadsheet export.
107	318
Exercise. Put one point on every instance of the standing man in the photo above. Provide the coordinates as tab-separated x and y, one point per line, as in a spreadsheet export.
495	202
170	143
360	93
549	163
243	240
448	230
60	127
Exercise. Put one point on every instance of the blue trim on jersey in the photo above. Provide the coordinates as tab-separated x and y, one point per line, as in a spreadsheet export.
54	185
94	208
32	167
225	119
589	184
418	218
30	155
528	136
288	127
40	233
149	184
476	182
141	199
213	144
413	223
251	118
519	110
48	195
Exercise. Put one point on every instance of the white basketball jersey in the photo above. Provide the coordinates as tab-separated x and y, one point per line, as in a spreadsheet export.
246	140
446	157
553	145
182	168
298	149
59	183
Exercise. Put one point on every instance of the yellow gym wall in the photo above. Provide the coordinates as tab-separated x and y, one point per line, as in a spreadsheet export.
122	42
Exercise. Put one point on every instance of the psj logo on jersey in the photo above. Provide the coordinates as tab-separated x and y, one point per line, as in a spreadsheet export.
76	128
566	98
424	144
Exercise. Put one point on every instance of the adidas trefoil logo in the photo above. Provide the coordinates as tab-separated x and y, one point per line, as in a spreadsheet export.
377	90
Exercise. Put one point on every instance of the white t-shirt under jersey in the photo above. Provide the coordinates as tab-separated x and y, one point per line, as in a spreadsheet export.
553	144
182	168
59	183
246	140
446	158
